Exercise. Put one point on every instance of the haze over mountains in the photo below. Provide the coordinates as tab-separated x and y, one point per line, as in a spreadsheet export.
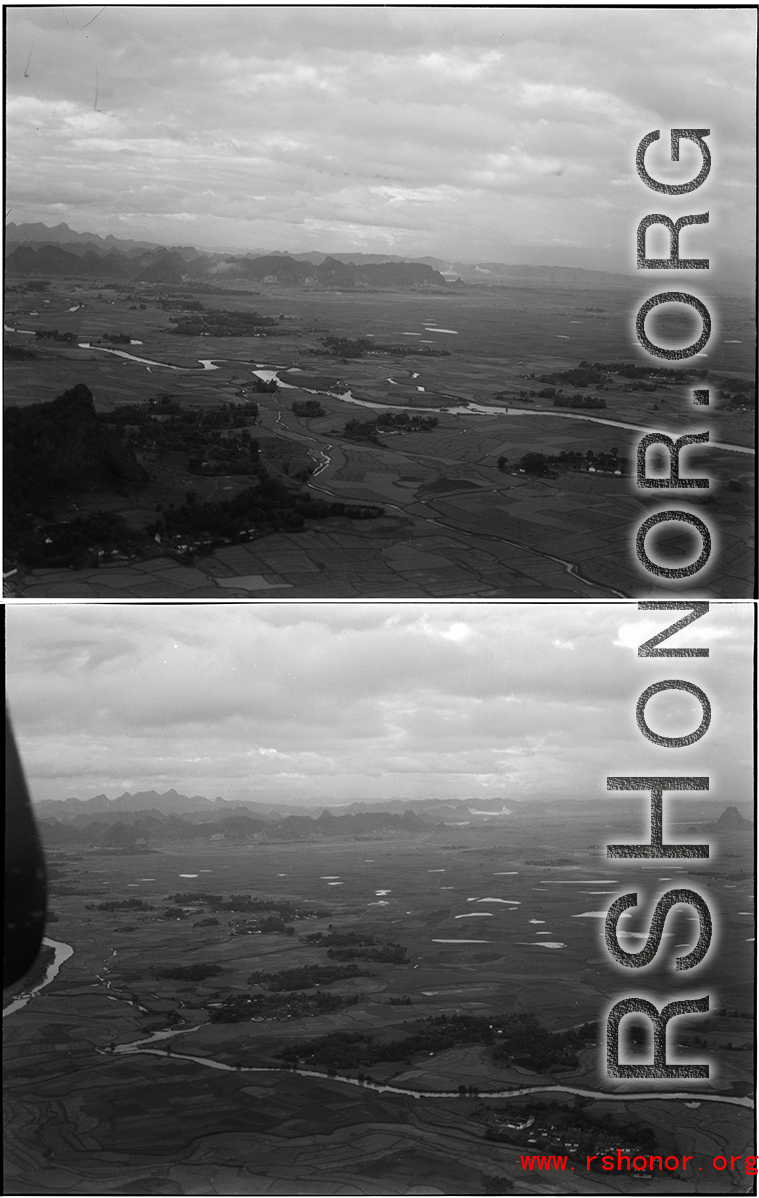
200	808
173	803
35	249
132	822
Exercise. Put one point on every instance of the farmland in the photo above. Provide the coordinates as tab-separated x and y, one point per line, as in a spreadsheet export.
460	518
119	1072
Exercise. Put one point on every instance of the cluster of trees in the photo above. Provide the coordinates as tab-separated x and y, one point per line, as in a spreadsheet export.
517	1038
269	506
167	412
404	351
352	946
527	1043
221	322
272	925
628	370
308	408
54	335
590	1131
546	465
745	397
341	939
247	904
361	430
351	1050
581	376
305	977
216	440
386	954
406	421
235	1008
560	400
83	541
588	373
345	347
369	430
130	904
118	338
254	509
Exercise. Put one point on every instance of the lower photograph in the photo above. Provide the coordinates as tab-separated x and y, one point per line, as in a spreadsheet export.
380	898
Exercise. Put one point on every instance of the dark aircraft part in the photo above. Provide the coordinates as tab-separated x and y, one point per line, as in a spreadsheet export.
25	886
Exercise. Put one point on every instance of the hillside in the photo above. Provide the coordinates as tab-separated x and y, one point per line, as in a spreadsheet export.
29	246
98	260
64	446
730	821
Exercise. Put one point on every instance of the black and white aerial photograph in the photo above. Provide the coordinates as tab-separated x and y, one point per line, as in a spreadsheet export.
367	899
378	568
360	301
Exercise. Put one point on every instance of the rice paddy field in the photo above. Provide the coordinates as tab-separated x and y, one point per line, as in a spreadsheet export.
455	524
118	1082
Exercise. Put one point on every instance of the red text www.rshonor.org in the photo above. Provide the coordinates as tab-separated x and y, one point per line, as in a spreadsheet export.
620	1162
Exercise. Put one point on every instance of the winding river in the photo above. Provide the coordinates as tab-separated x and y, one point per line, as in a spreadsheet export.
62	953
269	372
468	409
144	1046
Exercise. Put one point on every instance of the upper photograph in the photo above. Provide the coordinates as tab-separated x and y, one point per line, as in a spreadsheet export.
379	302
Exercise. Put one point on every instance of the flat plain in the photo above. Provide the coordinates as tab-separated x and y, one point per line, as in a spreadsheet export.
454	523
119	1079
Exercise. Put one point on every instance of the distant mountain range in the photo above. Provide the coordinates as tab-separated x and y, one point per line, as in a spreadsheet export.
140	830
29	234
199	807
137	822
38	251
34	251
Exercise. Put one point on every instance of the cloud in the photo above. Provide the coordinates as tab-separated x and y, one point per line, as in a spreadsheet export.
340	700
418	125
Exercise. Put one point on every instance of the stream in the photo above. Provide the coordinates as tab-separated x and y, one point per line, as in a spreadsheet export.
143	1046
468	409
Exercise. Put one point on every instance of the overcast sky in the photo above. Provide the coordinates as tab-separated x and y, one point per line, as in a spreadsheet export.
336	702
465	133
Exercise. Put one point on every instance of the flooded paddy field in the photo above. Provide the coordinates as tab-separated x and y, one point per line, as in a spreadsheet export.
455	523
128	1078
